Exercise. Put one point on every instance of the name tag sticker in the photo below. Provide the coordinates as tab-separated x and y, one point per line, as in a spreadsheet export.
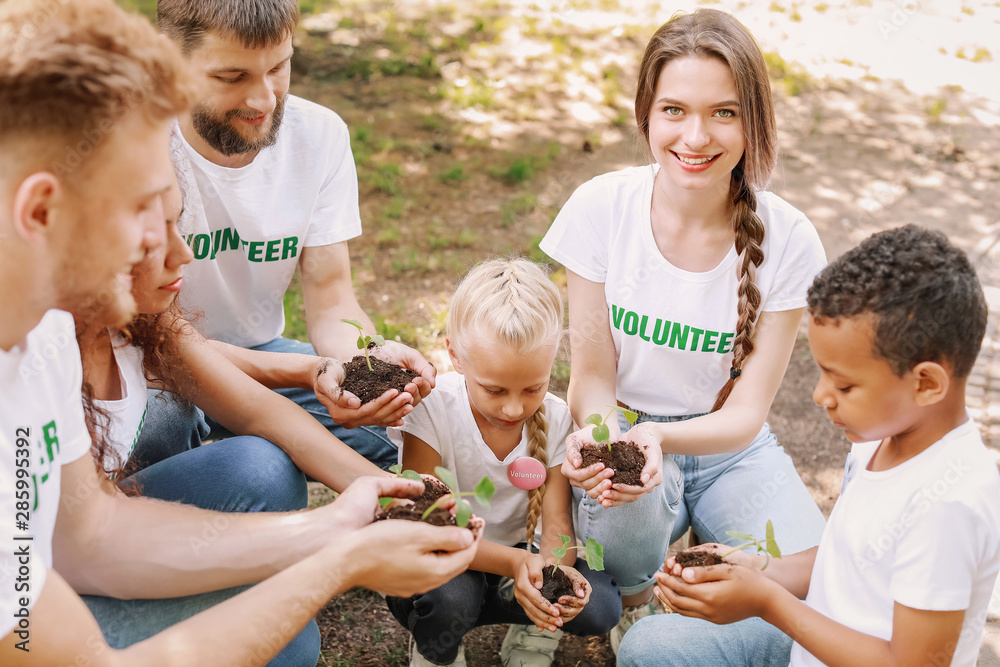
526	473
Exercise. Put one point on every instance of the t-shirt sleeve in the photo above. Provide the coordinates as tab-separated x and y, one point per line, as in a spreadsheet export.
936	557
421	423
802	258
336	216
579	237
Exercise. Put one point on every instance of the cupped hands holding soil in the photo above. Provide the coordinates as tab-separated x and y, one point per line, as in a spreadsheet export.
625	458
692	558
367	384
556	584
439	516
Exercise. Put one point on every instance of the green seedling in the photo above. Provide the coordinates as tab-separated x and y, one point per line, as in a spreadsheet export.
398	471
766	546
601	432
593	552
463	510
364	341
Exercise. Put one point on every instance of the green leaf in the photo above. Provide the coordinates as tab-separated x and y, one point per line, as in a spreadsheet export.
463	512
361	342
354	323
379	340
559	552
412	474
447	477
395	470
484	491
630	416
566	539
385	502
601	433
595	554
740	536
772	546
594	419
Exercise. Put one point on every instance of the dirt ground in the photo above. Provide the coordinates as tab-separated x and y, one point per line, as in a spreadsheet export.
472	124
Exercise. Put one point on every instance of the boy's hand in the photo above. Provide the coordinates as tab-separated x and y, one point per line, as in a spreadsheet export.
571	605
595	479
527	583
643	436
718	593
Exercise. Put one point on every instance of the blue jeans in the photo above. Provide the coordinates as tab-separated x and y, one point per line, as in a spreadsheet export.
173	426
672	640
712	494
440	619
241	474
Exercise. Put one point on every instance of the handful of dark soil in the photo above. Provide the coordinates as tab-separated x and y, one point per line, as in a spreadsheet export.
697	559
433	489
554	586
368	385
625	458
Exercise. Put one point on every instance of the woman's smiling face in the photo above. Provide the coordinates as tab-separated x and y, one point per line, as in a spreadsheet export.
695	126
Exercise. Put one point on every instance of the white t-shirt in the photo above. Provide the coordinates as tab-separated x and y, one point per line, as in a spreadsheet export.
444	420
673	330
41	429
925	533
248	226
129	413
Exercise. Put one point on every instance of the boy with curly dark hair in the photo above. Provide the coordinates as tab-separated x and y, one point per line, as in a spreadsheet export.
905	569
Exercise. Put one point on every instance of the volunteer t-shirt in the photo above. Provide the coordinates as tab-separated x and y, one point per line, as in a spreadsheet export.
925	533
248	226
41	429
128	413
673	329
444	420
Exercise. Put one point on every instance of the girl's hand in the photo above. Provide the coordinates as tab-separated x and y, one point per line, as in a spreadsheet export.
571	605
594	479
345	408
527	583
752	561
718	593
645	438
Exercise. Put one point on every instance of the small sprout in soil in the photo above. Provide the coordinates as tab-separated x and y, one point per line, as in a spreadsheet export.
593	552
398	471
463	510
766	546
601	432
364	341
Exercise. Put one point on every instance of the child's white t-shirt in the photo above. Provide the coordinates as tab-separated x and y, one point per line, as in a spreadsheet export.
41	429
673	329
128	413
444	420
247	226
925	533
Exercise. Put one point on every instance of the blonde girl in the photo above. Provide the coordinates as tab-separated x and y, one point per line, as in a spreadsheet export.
503	331
687	283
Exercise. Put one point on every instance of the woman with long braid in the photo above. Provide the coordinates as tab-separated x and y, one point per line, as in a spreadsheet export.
503	331
687	282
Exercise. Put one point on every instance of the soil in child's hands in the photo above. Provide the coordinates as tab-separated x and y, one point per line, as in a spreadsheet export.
368	385
554	586
698	559
625	458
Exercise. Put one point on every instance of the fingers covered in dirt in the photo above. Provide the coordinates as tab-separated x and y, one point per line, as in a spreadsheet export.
407	357
527	587
571	605
594	479
405	558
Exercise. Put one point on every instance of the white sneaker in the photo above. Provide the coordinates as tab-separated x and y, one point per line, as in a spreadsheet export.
417	660
630	615
527	646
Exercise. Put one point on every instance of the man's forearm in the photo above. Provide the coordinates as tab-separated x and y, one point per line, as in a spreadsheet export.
331	337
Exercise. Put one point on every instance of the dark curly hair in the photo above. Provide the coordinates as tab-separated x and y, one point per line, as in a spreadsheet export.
922	290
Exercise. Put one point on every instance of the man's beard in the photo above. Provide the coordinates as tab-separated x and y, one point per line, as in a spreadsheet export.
222	136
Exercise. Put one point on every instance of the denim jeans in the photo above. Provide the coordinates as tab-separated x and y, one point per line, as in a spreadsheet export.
672	640
712	494
440	619
241	474
173	426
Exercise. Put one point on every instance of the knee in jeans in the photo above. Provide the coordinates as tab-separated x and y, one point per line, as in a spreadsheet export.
278	483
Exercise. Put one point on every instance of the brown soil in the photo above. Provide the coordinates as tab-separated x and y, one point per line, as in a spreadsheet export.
625	458
439	517
433	489
555	585
698	559
368	385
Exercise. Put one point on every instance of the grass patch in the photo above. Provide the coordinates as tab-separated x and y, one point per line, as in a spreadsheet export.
519	170
453	176
295	312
